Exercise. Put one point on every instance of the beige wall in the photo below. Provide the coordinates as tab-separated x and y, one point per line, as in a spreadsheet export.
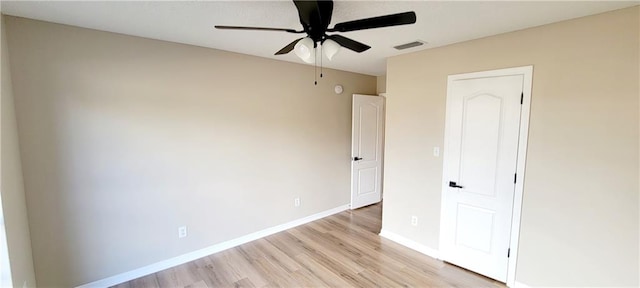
124	139
11	182
580	213
381	84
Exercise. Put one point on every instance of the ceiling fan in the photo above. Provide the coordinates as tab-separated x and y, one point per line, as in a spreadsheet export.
315	17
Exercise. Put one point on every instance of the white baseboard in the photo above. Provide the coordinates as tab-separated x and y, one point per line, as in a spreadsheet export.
520	285
172	262
427	250
410	244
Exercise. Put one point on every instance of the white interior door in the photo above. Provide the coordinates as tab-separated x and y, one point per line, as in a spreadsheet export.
366	150
481	154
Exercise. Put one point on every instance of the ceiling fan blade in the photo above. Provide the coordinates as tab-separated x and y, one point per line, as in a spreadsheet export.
288	48
349	43
376	22
256	28
307	11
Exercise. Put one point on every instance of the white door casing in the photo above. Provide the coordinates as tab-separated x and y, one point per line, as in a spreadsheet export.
366	150
485	142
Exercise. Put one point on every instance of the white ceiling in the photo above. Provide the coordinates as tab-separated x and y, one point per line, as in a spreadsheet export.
439	23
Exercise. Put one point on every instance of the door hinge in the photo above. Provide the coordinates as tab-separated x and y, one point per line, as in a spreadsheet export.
508	252
515	177
521	97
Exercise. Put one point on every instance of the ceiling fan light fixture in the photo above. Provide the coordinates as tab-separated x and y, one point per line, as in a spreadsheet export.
305	50
315	17
330	48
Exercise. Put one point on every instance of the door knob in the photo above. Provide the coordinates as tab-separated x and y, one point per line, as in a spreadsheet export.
454	185
357	158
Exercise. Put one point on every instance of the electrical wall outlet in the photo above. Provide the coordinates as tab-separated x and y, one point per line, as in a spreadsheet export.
414	220
296	202
436	151
182	231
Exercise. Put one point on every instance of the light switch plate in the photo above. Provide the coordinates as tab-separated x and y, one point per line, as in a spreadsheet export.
182	231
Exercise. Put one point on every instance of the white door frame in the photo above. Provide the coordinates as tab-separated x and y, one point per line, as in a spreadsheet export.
384	140
527	73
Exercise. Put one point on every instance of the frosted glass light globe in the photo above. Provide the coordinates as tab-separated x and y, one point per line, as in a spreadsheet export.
330	48
305	50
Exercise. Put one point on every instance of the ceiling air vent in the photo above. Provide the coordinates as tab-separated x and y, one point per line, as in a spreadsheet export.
409	45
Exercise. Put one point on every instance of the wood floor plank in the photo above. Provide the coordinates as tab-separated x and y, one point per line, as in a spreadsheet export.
244	267
287	244
274	273
342	250
319	226
324	253
199	284
225	262
374	279
306	278
276	255
187	273
149	281
167	278
322	272
333	243
244	282
208	278
214	271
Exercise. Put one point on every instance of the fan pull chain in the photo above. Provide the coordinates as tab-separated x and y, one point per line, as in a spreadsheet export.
320	60
315	71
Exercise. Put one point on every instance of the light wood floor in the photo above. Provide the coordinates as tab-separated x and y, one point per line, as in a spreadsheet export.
343	250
